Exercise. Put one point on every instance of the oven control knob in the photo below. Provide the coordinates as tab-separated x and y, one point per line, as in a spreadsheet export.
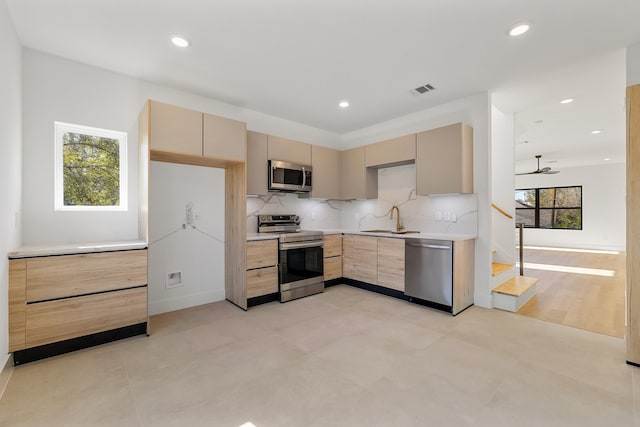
296	219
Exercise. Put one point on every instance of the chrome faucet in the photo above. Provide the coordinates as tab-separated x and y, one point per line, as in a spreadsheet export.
398	225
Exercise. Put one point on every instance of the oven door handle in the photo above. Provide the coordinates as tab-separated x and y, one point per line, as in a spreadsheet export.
301	245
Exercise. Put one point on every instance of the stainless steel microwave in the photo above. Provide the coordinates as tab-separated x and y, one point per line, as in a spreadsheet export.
285	176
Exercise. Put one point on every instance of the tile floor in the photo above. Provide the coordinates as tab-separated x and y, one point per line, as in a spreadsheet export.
346	357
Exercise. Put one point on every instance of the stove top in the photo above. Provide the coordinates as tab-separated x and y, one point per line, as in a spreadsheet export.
287	228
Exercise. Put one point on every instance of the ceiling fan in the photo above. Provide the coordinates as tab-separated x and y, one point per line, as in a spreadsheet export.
546	170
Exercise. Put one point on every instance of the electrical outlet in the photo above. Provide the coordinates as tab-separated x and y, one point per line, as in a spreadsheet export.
454	217
313	215
438	216
173	280
447	215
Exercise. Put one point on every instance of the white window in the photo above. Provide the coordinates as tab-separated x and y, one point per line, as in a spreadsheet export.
90	168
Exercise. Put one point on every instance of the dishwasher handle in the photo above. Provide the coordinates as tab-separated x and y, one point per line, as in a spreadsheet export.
425	245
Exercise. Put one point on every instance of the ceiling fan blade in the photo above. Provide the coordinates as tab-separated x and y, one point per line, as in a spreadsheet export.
550	172
526	173
544	170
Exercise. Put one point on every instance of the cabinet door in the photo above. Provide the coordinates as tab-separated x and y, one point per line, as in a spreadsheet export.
332	268
257	158
332	245
17	303
224	138
391	263
262	253
366	259
289	150
392	152
175	129
262	281
348	257
358	181
444	160
326	173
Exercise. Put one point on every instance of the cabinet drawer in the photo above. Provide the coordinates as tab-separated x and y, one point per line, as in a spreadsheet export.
263	253
332	246
332	268
262	281
70	275
59	320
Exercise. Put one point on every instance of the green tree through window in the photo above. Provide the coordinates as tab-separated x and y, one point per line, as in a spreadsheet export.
554	207
91	170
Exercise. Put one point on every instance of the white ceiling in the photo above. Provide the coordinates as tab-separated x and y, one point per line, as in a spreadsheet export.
296	59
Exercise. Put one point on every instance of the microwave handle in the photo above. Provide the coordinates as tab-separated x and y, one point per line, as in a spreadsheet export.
304	179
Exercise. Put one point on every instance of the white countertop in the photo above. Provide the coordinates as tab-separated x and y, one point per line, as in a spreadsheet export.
76	248
261	236
435	236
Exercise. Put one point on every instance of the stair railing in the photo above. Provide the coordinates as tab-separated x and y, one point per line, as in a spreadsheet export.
520	236
521	247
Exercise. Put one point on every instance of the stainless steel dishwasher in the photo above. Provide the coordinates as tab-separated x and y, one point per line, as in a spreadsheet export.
429	271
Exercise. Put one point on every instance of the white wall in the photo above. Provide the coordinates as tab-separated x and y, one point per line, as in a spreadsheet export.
603	204
502	184
633	65
10	161
58	89
175	245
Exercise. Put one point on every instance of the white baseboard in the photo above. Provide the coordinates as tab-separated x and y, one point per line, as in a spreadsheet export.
173	304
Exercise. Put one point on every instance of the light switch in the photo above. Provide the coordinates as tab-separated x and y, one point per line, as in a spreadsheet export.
438	216
447	215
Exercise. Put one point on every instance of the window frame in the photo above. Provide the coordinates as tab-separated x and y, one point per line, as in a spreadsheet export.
60	128
537	209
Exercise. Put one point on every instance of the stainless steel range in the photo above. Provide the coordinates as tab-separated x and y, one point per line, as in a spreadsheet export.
300	267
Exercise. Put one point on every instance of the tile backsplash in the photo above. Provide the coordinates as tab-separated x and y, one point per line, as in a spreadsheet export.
455	213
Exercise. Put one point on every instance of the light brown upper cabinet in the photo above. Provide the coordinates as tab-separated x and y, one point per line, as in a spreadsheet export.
358	181
288	150
224	138
326	173
444	160
257	164
175	129
392	152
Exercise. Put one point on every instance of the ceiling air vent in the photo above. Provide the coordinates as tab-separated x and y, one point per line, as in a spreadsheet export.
423	89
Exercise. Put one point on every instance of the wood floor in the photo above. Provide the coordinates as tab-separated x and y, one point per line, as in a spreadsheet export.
592	302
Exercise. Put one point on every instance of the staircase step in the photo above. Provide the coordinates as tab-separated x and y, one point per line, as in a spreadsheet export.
512	294
498	267
515	286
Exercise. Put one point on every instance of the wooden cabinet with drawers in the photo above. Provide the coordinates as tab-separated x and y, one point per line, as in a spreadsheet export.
57	298
332	257
262	267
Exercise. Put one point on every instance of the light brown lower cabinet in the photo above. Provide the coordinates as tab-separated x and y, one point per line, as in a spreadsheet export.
262	281
56	298
391	263
348	257
262	267
58	320
332	256
365	257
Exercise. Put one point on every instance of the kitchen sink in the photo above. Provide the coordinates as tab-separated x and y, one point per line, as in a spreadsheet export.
391	231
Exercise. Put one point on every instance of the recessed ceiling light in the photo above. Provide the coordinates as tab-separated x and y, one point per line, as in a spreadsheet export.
606	159
518	29
596	131
567	101
180	41
343	104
